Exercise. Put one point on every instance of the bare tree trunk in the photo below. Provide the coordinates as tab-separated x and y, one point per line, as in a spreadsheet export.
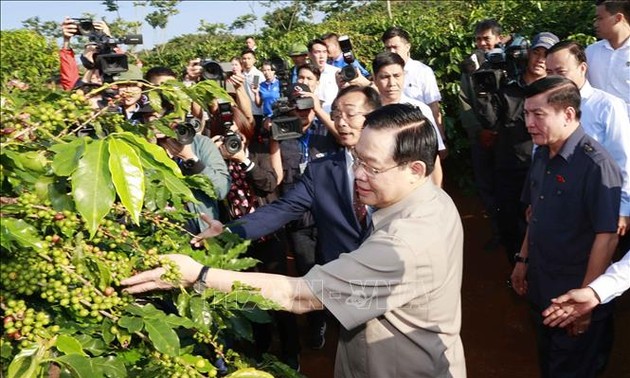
389	9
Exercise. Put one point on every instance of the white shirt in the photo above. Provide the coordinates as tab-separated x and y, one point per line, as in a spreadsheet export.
605	119
249	80
614	281
327	89
609	69
426	111
420	83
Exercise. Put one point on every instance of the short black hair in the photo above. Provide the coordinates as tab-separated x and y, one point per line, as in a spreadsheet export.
616	6
248	51
269	63
395	31
574	48
386	58
562	92
314	42
311	67
159	71
488	24
372	98
415	138
330	35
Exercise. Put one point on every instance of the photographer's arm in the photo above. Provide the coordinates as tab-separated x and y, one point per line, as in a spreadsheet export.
242	99
275	156
68	68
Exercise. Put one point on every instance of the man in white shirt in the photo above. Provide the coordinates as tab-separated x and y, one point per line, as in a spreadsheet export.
609	58
389	76
253	77
420	82
327	89
604	116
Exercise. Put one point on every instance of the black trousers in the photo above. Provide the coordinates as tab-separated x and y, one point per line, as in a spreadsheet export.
564	356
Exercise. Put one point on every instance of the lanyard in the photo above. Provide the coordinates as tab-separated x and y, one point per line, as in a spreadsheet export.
304	142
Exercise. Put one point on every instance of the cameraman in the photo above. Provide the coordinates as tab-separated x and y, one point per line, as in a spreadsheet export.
487	37
500	111
68	67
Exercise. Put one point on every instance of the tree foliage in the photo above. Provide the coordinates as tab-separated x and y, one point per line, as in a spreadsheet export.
81	213
27	56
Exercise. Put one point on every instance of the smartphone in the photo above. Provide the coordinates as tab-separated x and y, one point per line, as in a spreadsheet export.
256	80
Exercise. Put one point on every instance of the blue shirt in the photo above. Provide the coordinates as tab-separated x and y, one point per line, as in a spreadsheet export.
269	94
574	195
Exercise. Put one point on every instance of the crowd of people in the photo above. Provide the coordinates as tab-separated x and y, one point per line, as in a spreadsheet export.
354	194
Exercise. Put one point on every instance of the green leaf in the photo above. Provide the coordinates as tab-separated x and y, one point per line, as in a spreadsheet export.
151	153
21	232
241	327
182	303
67	156
69	345
164	339
176	186
26	364
200	311
131	323
128	176
79	366
92	186
256	315
106	327
155	100
201	364
112	367
176	321
146	311
96	347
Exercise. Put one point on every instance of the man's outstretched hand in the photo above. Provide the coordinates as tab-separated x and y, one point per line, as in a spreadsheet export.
151	280
214	228
570	306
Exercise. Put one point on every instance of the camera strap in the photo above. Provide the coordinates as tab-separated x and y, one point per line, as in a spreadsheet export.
304	141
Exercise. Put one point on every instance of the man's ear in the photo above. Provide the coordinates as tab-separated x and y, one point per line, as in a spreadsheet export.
418	168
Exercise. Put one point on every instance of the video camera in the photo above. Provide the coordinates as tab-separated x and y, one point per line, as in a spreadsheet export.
106	60
502	66
231	140
348	72
213	70
283	125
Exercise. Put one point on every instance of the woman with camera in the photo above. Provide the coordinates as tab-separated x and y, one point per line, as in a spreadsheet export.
254	184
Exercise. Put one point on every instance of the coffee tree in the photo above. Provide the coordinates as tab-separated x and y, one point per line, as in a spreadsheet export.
87	200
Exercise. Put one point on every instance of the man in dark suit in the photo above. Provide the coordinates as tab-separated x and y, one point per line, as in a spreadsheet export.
325	189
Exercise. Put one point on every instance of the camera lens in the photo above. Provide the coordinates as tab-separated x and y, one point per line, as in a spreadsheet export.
232	142
348	73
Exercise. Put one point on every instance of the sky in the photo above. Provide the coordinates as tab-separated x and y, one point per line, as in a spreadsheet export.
12	13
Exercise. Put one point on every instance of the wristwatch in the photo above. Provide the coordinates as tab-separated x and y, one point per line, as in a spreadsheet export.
520	259
200	284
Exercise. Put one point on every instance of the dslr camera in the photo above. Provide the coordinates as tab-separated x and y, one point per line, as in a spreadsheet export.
106	60
348	72
502	66
213	70
186	130
231	140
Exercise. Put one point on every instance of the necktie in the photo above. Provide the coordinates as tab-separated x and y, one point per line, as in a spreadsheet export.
359	208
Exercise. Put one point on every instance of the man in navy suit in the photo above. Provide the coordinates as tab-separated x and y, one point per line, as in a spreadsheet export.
325	189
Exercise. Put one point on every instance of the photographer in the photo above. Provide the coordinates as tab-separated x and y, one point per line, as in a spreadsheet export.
336	55
499	99
487	37
68	68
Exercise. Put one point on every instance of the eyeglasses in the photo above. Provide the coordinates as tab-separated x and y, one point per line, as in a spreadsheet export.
369	170
336	115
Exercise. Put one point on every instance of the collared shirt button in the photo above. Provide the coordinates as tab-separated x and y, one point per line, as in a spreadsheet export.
542	197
